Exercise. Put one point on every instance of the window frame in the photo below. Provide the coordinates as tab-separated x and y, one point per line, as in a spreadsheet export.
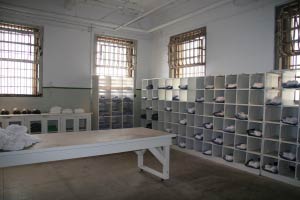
177	42
39	75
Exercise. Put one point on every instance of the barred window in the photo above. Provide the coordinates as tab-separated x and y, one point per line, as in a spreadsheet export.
20	56
287	35
187	54
115	56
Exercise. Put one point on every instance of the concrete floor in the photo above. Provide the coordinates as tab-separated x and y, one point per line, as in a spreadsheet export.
117	177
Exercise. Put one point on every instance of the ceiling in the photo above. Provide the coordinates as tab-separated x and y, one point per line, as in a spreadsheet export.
142	15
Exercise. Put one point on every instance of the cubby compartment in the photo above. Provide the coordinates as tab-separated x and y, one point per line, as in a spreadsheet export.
241	127
288	148
191	107
242	97
227	152
175	107
218	108
168	117
175	117
271	148
229	123
257	97
290	112
161	105
254	145
289	133
256	113
231	79
181	130
161	83
175	95
198	145
199	95
181	141
217	150
290	97
192	83
240	140
257	78
154	105
242	109
191	95
155	125
199	108
149	94
190	120
144	83
218	134
183	117
169	82
161	94
207	147
169	95
144	95
175	128
208	109
184	82
270	94
200	83
190	132
209	81
198	121
230	96
190	144
272	131
230	111
252	156
161	126
208	135
175	83
255	125
183	95
218	124
243	81
239	156
182	107
273	114
228	139
287	168
149	114
207	120
219	82
154	94
273	80
289	75
267	160
161	116
209	95
219	93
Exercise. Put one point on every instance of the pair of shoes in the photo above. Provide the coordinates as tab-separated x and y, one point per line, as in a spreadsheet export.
276	101
199	100
183	122
241	146
191	110
207	152
219	113
181	144
149	108
183	87
229	129
257	85
154	98
143	116
228	158
288	156
169	87
231	86
272	168
209	87
255	133
220	99
175	98
290	120
218	140
208	125
241	116
199	136
149	125
291	84
168	130
253	164
149	87
168	109
4	111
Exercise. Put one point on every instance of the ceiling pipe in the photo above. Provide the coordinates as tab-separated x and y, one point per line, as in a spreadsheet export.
215	5
144	15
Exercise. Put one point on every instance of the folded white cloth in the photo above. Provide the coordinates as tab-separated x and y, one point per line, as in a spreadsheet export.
67	111
78	110
55	110
15	138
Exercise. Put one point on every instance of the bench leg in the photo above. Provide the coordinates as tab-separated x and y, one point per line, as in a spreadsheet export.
162	154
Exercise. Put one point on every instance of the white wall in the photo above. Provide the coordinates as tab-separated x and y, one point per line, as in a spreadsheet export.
240	39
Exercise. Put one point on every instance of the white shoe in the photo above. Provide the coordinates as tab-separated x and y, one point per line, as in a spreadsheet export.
241	116
208	125
253	164
231	86
271	168
230	129
220	99
257	85
228	158
209	87
175	98
290	84
191	110
241	146
288	156
290	120
219	113
181	144
144	98
207	152
168	109
254	132
168	130
154	98
218	141
201	99
183	121
149	108
183	87
199	136
275	101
